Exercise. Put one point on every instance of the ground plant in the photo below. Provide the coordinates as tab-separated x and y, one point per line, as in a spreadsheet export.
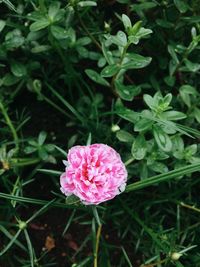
123	75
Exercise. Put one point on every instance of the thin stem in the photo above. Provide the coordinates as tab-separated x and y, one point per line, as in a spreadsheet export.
97	245
121	60
129	161
154	264
55	106
10	125
88	33
189	207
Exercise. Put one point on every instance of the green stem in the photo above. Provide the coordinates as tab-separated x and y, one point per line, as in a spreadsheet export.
10	125
55	106
88	33
24	162
97	245
129	161
121	60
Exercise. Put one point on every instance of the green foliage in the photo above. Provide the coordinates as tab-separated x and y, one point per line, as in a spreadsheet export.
124	73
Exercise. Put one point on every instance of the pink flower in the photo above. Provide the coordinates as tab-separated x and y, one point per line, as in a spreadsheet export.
94	173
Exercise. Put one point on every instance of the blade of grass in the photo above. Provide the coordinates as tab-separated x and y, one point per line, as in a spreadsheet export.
53	172
40	211
30	248
148	230
126	257
163	177
69	106
38	201
63	152
69	222
12	241
7	234
10	5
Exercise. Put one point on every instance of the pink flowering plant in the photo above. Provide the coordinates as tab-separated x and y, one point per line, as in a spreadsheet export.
94	173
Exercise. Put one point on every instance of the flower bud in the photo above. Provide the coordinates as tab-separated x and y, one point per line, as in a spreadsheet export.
175	256
115	128
22	225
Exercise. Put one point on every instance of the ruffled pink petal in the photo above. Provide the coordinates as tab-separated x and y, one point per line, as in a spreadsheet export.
94	173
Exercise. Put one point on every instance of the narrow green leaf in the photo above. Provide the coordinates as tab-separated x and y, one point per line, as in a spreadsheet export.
42	137
181	5
127	92
139	148
135	61
2	24
163	177
52	172
110	70
87	3
126	21
39	25
124	136
10	236
30	248
53	9
12	241
59	32
96	77
162	139
18	69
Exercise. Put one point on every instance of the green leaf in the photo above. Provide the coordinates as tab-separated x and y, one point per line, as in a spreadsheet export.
9	79
159	167
124	136
51	172
126	21
143	32
2	25
18	69
14	39
164	23
172	52
163	177
196	113
110	70
121	36
127	92
136	27
193	67
139	148
128	114
53	10
120	39
174	115
107	54
135	61
87	3
59	32
39	25
185	92
42	153
170	80
162	139
181	5
12	241
40	48
143	125
42	137
96	77
72	200
149	100
29	149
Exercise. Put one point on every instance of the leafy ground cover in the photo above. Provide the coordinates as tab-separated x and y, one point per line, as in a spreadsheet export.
123	73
